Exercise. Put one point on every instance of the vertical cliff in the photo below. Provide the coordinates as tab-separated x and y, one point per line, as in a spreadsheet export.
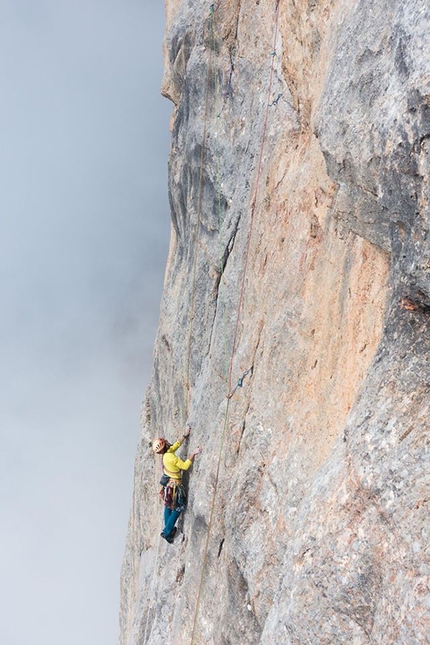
299	193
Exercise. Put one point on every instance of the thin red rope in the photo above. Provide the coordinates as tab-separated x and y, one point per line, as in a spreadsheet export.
242	292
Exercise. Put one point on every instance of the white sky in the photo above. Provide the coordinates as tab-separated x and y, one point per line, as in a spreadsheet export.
84	225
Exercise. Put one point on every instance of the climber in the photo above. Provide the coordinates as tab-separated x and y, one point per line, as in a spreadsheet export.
172	491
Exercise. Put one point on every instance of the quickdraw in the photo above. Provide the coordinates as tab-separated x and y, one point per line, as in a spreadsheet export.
240	381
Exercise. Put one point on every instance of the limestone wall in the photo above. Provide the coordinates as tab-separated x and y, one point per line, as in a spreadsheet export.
299	192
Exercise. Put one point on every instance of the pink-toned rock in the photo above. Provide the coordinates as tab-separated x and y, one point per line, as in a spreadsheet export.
299	192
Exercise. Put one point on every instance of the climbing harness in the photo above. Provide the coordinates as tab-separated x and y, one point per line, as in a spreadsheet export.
175	496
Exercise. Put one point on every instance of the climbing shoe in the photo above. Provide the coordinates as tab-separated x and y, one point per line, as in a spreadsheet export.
169	538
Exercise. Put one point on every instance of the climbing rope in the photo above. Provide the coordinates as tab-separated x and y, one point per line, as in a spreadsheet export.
238	316
151	591
254	199
240	381
199	210
193	287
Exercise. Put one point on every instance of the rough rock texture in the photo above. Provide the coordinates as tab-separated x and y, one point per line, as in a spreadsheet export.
299	191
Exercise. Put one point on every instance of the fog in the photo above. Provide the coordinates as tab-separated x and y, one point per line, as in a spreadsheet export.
84	226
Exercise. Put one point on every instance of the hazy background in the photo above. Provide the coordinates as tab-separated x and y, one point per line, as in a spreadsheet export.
83	240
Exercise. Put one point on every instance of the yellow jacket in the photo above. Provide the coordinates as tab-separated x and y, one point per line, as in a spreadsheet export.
172	465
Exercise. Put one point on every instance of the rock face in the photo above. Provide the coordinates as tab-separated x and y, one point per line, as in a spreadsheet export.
300	250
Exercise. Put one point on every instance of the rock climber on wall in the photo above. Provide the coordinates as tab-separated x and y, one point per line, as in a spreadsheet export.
172	491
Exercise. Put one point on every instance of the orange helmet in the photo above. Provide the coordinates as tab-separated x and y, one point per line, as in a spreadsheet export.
158	444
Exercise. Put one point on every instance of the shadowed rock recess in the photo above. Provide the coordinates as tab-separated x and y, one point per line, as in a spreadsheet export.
300	204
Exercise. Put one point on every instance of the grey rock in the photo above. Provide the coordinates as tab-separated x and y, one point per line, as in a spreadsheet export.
299	193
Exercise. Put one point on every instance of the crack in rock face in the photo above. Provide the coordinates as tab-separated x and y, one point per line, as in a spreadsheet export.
299	195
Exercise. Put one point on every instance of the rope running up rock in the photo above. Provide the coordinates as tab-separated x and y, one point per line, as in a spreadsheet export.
238	314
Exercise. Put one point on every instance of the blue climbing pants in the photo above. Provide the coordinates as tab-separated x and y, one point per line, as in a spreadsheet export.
170	517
